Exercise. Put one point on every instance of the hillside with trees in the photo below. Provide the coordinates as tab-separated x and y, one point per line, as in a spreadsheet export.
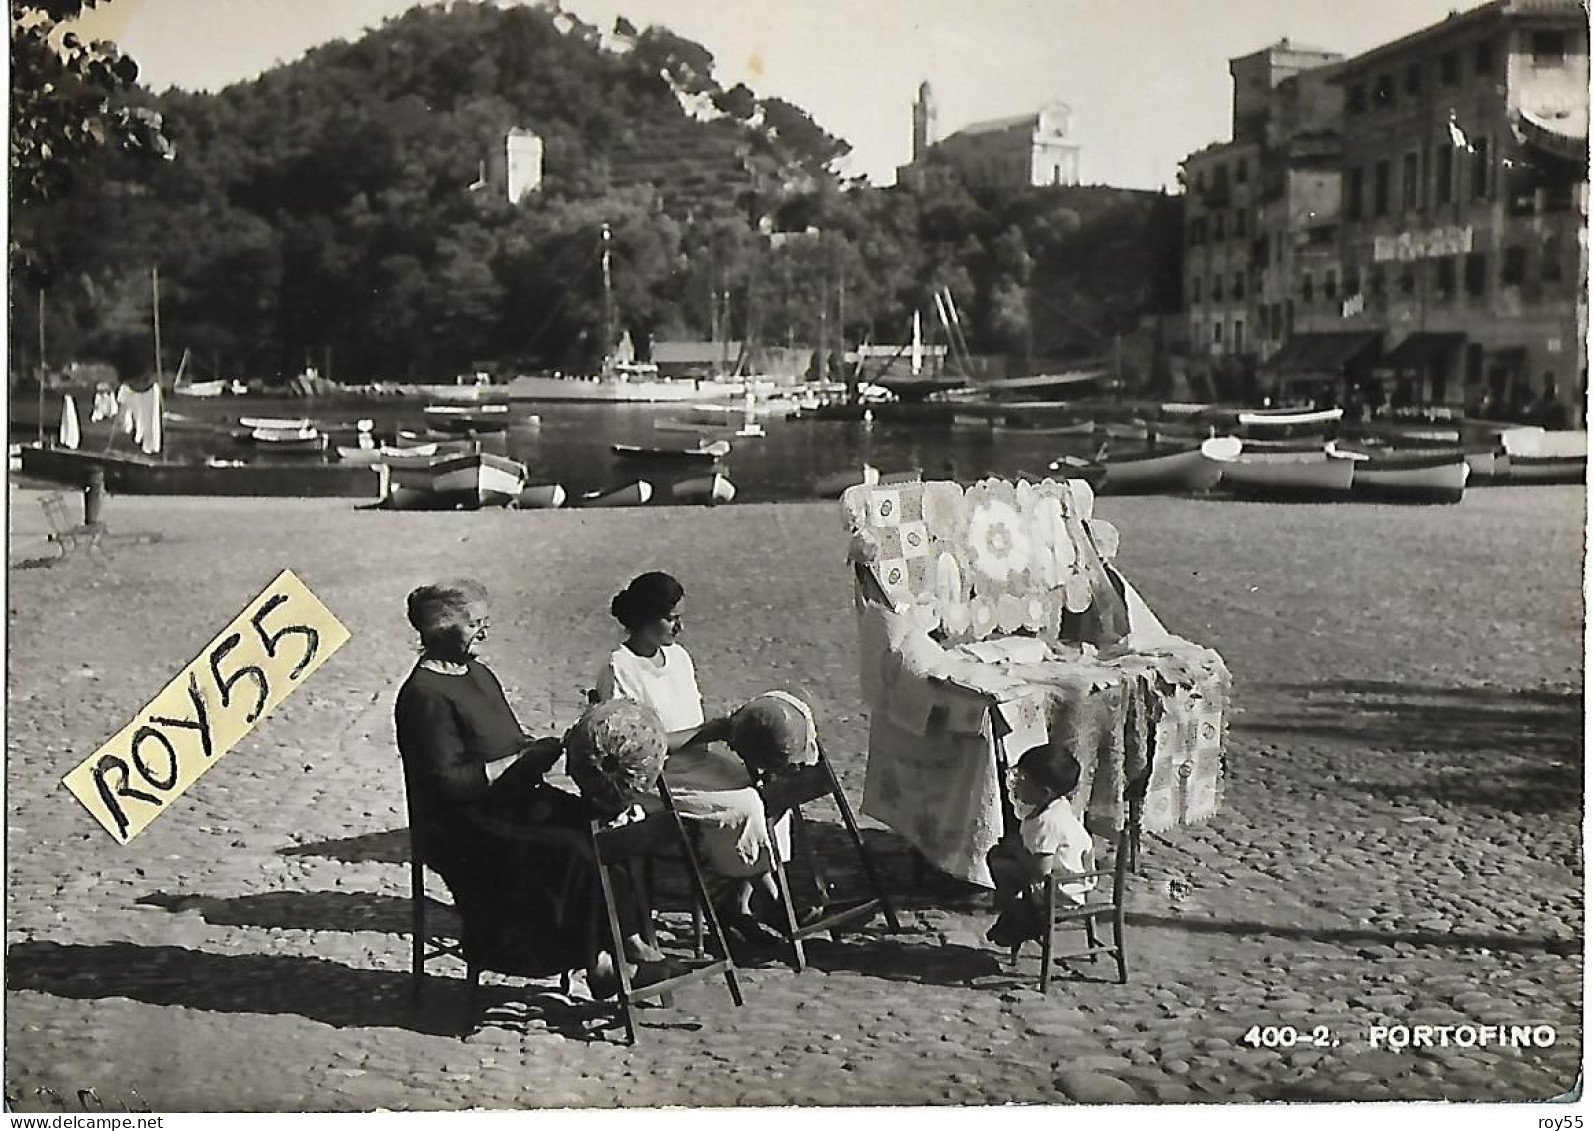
326	210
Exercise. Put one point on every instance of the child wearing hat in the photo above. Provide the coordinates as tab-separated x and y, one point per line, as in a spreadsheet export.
1051	842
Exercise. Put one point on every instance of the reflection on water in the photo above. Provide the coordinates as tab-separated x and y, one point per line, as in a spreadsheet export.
571	445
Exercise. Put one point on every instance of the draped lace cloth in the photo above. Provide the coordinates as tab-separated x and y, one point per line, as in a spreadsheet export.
1143	710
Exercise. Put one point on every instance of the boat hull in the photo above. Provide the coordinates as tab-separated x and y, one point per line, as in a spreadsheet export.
1290	475
542	496
633	494
1405	481
709	490
457	418
471	481
1189	470
1548	469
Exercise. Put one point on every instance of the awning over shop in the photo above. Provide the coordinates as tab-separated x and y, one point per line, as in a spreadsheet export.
1419	350
1323	353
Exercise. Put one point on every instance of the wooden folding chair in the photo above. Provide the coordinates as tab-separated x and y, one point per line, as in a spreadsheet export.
787	793
426	944
68	535
1060	911
617	848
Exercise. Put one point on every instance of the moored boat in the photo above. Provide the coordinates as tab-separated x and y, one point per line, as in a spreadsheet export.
276	422
1083	428
285	441
470	480
1438	479
1073	467
708	489
633	494
1302	473
692	427
709	453
1548	469
541	496
1188	469
467	418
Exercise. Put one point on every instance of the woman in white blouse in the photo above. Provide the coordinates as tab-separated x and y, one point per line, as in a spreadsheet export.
710	785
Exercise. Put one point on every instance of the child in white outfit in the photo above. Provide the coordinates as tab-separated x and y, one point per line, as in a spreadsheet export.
1051	843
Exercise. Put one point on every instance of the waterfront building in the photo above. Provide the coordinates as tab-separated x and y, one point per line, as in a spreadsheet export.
1415	219
1464	241
1023	151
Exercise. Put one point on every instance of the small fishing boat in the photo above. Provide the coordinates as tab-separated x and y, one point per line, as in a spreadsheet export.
632	494
275	422
1437	479
1187	469
708	489
1289	417
1305	472
708	453
359	457
1548	469
205	389
467	418
471	480
1126	430
1073	467
541	496
285	441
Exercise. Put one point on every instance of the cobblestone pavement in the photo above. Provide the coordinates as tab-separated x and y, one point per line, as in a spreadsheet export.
1399	843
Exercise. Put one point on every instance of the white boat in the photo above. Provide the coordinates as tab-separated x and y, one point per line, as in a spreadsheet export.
283	440
202	389
542	496
470	480
1289	418
710	453
276	422
1441	479
632	494
359	457
708	489
467	418
1304	473
1190	469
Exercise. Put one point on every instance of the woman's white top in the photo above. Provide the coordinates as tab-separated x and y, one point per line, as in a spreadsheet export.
666	682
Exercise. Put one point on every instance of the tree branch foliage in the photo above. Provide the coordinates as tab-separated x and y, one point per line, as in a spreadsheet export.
329	204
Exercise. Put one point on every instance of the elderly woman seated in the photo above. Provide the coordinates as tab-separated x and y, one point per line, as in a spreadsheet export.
475	779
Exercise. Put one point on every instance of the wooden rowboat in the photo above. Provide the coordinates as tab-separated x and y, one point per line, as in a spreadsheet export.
707	453
467	418
470	481
1304	473
633	494
1441	479
1188	469
1548	469
708	489
541	496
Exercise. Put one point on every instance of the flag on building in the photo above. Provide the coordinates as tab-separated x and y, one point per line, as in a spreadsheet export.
1354	304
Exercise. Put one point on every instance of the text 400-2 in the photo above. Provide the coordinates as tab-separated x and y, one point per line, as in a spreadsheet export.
1288	1037
153	754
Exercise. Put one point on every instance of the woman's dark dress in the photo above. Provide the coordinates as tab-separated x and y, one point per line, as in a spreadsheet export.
509	892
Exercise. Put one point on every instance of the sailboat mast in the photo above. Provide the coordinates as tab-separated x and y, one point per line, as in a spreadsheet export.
154	281
608	298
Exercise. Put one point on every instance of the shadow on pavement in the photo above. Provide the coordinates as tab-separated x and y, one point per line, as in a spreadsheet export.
1452	940
1424	717
308	911
323	991
896	960
389	847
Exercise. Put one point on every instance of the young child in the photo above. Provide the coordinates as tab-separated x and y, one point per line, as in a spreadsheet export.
1050	841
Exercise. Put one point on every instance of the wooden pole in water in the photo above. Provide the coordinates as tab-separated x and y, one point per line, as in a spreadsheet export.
154	279
41	367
